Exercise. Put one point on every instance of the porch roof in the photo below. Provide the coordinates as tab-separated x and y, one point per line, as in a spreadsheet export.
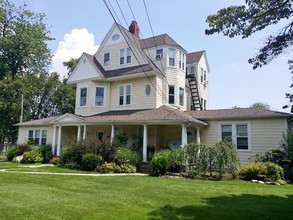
237	113
161	114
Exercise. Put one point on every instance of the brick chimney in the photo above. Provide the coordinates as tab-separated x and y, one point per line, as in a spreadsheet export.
134	29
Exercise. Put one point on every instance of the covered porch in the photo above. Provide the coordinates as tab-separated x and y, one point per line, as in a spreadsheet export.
148	136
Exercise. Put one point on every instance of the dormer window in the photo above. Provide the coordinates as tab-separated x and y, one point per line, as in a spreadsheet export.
171	55
159	54
125	56
106	58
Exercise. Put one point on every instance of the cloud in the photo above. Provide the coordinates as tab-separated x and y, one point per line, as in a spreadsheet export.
73	45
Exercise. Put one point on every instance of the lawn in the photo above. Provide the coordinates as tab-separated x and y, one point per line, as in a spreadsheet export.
35	196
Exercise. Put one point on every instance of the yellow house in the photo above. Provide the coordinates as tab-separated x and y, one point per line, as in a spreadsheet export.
157	93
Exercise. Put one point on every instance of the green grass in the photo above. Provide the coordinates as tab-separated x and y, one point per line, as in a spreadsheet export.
34	196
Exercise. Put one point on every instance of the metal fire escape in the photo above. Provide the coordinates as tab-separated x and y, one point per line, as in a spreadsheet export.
194	92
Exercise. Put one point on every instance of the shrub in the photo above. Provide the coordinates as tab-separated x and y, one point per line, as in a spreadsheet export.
127	168
72	165
23	148
124	155
12	152
46	151
120	139
32	157
161	162
88	162
108	168
266	171
69	155
55	161
175	161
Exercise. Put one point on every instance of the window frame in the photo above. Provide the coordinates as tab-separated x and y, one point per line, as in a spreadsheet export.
109	58
38	139
95	96
80	97
159	56
181	98
174	58
124	95
234	133
172	95
125	56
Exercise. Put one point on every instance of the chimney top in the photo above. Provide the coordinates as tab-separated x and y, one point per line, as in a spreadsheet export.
134	29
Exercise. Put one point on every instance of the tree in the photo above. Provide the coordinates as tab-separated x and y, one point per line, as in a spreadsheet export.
23	36
44	96
261	105
254	16
70	65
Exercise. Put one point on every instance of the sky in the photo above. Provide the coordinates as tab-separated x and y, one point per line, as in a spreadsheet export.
81	25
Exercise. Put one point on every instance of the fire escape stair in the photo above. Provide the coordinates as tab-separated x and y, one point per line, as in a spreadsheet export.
194	92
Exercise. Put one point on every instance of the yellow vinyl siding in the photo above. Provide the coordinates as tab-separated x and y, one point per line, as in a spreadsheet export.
23	133
266	134
139	98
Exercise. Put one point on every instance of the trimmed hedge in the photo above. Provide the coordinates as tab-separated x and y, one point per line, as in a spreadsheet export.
266	171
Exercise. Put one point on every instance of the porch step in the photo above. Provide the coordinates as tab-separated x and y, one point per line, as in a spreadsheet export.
146	167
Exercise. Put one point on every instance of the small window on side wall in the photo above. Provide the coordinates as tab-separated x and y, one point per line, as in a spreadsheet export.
159	54
83	94
171	94
106	58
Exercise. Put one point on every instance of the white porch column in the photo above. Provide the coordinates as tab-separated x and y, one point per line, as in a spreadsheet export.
84	132
59	140
197	135
54	140
183	136
145	143
78	133
112	133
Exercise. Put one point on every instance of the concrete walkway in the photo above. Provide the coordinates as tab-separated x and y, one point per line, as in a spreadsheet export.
76	174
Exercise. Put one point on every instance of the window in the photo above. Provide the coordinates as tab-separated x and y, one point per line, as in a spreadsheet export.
201	75
204	75
203	104
180	59
38	136
122	55
83	93
125	95
100	96
192	70
44	137
106	58
128	53
125	56
242	136
171	54
238	133
171	94
183	63
181	96
226	132
159	54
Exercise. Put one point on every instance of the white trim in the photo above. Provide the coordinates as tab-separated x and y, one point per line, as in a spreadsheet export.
79	97
109	62
124	94
145	142
234	133
40	137
175	52
94	96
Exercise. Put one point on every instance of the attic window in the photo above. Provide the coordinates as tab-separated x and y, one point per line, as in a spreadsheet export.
84	61
106	58
159	54
115	37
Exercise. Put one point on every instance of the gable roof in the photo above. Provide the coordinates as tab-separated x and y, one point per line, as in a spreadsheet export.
237	113
194	57
163	39
38	122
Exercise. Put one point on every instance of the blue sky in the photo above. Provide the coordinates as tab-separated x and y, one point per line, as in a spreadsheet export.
79	25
